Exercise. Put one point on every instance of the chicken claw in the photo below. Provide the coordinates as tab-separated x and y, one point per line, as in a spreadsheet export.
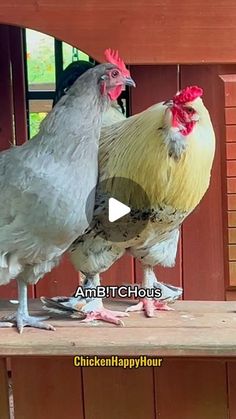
22	320
90	309
107	316
149	306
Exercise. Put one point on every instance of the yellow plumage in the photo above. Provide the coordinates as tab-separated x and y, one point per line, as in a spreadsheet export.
173	169
136	149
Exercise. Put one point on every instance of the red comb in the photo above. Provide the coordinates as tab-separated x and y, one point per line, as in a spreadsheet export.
188	95
113	57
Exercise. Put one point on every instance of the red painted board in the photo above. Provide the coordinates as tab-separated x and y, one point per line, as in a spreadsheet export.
230	116
115	393
191	389
231	185
18	84
6	106
150	32
154	84
230	133
4	393
231	370
63	280
231	151
122	272
46	388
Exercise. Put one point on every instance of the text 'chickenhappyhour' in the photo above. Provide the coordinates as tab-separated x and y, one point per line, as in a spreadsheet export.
116	361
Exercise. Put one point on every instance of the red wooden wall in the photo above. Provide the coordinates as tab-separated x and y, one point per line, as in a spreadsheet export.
168	392
157	31
179	389
229	178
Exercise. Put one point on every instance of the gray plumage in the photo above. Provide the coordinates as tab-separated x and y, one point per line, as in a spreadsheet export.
45	184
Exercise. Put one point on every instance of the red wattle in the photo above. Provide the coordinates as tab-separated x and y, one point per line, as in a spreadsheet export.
180	119
115	93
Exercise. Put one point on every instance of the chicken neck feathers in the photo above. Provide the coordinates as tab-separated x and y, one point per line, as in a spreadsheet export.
137	149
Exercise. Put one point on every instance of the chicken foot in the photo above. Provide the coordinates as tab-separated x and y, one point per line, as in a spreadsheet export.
169	293
22	318
92	307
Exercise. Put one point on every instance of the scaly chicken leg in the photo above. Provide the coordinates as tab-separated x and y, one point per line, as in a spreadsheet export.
93	307
22	318
149	305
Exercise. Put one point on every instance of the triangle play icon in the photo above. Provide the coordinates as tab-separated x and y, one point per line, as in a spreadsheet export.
116	210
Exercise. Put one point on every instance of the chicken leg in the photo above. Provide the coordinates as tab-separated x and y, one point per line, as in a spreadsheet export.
169	293
93	307
22	318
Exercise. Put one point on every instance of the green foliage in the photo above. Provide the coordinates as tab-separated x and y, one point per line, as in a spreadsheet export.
35	121
41	66
40	57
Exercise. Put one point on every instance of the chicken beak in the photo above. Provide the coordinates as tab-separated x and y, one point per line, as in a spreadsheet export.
129	82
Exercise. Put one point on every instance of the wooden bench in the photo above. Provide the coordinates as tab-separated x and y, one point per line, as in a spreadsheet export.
194	329
197	344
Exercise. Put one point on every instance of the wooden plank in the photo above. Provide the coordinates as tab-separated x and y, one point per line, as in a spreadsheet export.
63	280
4	393
232	235
42	86
46	387
231	168
193	329
198	389
6	115
232	252
231	294
129	390
231	201
203	253
230	116
232	273
40	106
142	34
230	90
231	185
231	151
232	218
231	369
18	84
230	133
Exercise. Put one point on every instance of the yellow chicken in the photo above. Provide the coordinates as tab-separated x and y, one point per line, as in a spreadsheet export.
168	151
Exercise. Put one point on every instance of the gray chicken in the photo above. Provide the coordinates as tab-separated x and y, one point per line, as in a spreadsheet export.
45	183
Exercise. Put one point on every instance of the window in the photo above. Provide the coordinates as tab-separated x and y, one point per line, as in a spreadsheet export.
46	58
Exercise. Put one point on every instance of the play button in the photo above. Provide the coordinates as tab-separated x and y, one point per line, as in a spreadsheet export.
116	210
122	210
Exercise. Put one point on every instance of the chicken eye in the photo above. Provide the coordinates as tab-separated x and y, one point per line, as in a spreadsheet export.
189	110
114	73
